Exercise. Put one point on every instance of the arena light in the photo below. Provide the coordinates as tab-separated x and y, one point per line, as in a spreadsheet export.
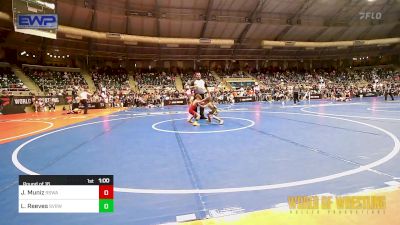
130	42
77	37
23	53
51	56
32	9
34	56
67	56
27	54
205	41
48	53
46	4
115	36
63	57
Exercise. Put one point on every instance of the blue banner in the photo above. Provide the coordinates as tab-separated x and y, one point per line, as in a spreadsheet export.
37	21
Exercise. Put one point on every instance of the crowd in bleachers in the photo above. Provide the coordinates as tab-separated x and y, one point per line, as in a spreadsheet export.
153	81
114	90
132	99
55	82
9	81
329	84
237	74
110	78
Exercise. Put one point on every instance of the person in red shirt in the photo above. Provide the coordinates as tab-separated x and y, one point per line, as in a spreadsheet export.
197	101
69	101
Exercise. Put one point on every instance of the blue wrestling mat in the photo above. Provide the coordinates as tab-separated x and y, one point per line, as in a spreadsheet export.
164	167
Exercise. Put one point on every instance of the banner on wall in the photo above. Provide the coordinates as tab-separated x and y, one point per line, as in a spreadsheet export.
94	105
27	100
368	94
245	99
315	96
178	101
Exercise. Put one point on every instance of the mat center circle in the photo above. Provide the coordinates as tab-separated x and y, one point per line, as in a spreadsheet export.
184	127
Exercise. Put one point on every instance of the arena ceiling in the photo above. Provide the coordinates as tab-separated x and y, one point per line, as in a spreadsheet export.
246	21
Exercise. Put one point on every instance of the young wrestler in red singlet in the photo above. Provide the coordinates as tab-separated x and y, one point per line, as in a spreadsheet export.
192	110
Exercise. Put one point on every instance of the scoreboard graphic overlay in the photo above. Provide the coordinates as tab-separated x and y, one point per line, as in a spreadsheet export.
66	193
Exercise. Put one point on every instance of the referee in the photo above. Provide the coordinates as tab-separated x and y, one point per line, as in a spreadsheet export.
389	91
200	87
296	91
84	100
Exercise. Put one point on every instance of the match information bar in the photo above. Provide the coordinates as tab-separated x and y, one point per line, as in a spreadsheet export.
66	193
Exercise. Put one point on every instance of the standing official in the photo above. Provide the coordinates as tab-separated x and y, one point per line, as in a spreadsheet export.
200	87
389	91
84	100
296	91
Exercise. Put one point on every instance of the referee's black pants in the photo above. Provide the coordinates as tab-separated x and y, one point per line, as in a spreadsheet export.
85	105
389	93
201	108
296	97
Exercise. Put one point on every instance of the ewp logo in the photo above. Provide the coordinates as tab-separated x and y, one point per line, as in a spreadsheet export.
37	21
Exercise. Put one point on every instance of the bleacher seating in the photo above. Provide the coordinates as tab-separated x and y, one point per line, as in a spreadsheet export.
155	82
10	82
111	78
54	81
238	74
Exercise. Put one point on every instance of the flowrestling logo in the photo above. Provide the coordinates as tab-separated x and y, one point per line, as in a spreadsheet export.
370	15
37	21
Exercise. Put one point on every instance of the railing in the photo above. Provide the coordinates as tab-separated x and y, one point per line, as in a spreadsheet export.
4	64
53	68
